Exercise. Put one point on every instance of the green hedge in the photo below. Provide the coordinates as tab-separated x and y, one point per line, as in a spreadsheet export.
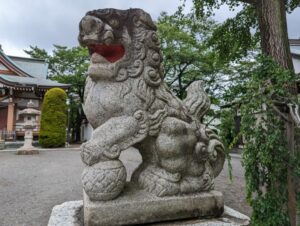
53	119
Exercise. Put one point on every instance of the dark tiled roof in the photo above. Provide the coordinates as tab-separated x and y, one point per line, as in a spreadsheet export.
36	67
13	66
33	77
12	80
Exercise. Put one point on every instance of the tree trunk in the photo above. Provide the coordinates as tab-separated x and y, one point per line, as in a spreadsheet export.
275	43
273	29
292	198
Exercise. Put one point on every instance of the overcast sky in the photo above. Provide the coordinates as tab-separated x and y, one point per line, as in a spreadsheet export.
47	22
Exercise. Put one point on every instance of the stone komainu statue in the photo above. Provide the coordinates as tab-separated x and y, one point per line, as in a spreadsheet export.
128	104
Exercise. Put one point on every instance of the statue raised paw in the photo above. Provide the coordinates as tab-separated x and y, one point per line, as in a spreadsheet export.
128	104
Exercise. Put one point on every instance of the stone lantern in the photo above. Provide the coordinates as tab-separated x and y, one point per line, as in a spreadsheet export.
30	123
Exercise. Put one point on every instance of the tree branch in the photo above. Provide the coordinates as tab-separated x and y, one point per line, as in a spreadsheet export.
251	2
181	70
283	116
167	69
189	83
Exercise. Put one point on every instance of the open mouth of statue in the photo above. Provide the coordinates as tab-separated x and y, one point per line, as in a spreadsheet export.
111	53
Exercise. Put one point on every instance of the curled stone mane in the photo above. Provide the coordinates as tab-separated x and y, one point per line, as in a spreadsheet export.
142	64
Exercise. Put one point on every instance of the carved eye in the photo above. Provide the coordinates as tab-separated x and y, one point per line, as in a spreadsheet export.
114	22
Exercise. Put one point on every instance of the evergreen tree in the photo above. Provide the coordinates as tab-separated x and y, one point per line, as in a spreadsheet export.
53	119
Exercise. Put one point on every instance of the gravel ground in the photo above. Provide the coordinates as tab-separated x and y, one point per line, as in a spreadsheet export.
31	185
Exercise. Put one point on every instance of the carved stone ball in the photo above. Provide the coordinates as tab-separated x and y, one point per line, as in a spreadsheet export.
104	180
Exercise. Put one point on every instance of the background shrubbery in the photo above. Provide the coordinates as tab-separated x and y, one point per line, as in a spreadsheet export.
53	119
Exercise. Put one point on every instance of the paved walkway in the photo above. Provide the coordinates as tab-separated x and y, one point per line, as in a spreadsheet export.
234	192
31	185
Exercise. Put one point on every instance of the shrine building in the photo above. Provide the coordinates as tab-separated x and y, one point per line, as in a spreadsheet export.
21	80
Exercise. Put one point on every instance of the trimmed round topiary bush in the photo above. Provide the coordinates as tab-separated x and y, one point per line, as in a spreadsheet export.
53	119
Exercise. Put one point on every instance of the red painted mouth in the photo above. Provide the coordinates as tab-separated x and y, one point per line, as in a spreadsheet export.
112	53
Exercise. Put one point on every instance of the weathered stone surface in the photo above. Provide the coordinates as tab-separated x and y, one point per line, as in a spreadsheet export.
128	104
229	212
230	217
67	214
71	214
137	207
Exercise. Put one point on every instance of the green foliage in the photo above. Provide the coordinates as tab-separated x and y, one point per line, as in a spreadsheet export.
291	5
228	135
227	129
266	157
38	53
235	38
69	66
206	7
66	65
53	119
186	56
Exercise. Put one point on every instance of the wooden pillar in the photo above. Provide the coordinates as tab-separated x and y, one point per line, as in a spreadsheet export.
10	115
292	197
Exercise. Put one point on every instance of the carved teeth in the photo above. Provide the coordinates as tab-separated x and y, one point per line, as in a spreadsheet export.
108	41
97	58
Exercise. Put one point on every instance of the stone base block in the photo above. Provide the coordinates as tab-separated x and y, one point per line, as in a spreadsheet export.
71	214
27	152
139	207
67	214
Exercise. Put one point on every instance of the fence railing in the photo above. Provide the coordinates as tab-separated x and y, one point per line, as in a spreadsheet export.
18	131
7	135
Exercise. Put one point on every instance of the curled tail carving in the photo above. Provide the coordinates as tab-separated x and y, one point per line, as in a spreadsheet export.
197	101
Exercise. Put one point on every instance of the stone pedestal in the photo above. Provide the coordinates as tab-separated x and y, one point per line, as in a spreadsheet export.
139	207
27	148
71	214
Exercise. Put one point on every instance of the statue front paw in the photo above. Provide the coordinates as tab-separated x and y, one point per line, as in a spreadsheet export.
90	153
